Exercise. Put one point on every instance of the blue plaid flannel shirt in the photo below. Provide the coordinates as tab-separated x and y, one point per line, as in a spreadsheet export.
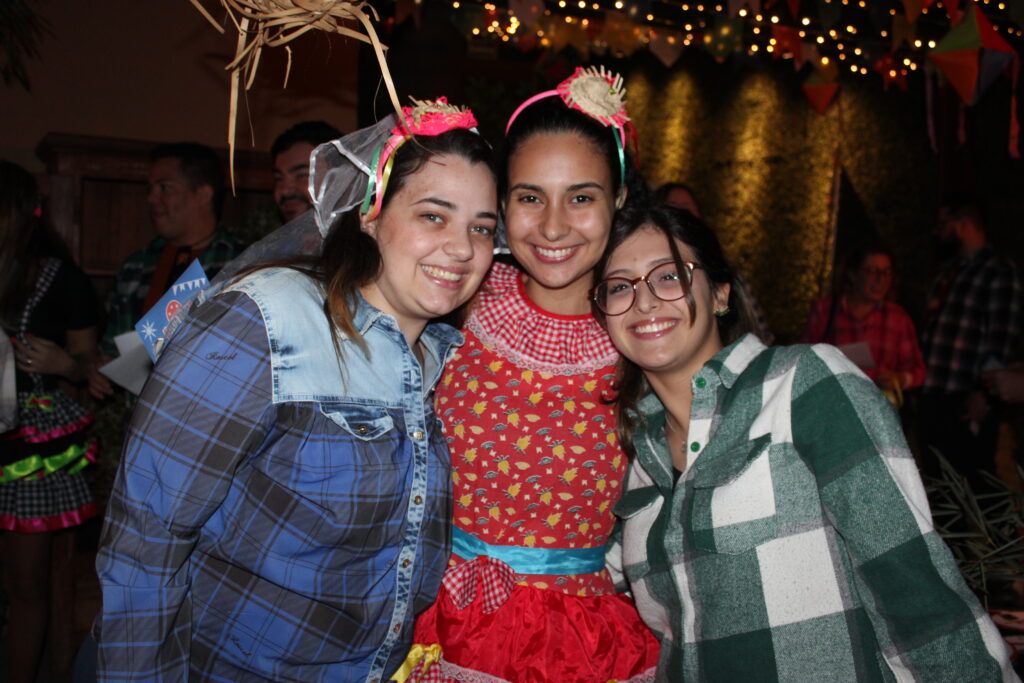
276	516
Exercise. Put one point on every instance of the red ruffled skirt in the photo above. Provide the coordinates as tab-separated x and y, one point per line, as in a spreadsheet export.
485	628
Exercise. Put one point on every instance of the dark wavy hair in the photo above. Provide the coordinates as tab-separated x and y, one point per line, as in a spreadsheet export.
675	224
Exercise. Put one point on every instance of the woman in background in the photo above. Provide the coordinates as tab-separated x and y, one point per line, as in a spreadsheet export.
861	311
775	527
49	310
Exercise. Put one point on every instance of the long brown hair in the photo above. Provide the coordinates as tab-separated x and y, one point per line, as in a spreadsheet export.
675	224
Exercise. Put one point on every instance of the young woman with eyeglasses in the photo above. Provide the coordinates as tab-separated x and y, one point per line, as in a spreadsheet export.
775	527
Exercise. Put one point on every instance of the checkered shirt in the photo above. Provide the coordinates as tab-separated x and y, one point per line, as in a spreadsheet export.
798	545
887	329
980	320
128	295
252	540
507	321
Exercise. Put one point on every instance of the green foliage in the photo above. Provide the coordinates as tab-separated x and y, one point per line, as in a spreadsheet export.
984	530
21	29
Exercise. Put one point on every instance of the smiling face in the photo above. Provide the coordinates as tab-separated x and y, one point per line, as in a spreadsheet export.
662	337
436	238
872	280
558	213
291	180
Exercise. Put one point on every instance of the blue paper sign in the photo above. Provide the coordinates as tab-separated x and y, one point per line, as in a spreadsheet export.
153	325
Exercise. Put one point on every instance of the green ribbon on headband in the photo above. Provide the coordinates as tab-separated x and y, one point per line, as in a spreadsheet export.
622	158
371	184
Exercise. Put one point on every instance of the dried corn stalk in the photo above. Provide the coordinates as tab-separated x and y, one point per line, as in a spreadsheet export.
270	23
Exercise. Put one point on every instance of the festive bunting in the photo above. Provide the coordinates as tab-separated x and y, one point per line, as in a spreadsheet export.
787	41
527	11
971	55
886	66
904	32
819	92
666	46
724	38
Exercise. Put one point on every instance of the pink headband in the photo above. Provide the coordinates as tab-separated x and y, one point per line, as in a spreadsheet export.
425	118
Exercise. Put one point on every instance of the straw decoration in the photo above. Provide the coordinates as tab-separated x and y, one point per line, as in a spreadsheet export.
272	23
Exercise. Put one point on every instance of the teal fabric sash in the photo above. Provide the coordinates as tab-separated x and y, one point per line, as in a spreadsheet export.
530	560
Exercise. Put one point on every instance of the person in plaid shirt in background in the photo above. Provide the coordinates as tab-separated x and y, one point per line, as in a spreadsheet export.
972	324
862	312
775	527
186	191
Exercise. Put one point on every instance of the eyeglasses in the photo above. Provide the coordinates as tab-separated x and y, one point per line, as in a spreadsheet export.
616	295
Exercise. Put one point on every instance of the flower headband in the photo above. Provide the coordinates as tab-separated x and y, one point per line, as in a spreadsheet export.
425	118
600	95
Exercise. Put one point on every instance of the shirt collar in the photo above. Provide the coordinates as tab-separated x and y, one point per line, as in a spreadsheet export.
728	364
436	337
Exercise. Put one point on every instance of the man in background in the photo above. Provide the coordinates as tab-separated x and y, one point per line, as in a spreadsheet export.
186	190
973	321
290	153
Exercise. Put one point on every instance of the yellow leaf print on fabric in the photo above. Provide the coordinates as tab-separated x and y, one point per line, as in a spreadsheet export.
579	428
470	455
569	406
601	484
584	527
549	539
536	397
578	450
465	500
473	385
465	521
559	451
532	418
545	497
460	430
569	475
522	442
476	429
527	376
479	407
530	541
514	489
495	512
490	385
589	386
503	465
552	519
587	405
611	438
495	365
565	496
513	418
520	465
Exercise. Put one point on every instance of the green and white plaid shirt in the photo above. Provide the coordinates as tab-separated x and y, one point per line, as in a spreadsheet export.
798	545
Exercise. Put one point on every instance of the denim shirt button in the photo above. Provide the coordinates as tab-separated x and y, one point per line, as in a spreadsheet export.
418	500
405	563
418	435
362	429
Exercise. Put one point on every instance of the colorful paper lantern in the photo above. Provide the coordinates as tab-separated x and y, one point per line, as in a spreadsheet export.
972	55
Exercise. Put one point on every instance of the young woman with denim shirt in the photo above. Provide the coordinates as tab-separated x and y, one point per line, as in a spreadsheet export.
283	506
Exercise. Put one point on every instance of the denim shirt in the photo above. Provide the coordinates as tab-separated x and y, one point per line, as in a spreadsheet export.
280	514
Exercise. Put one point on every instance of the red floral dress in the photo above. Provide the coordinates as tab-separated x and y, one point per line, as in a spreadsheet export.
536	469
